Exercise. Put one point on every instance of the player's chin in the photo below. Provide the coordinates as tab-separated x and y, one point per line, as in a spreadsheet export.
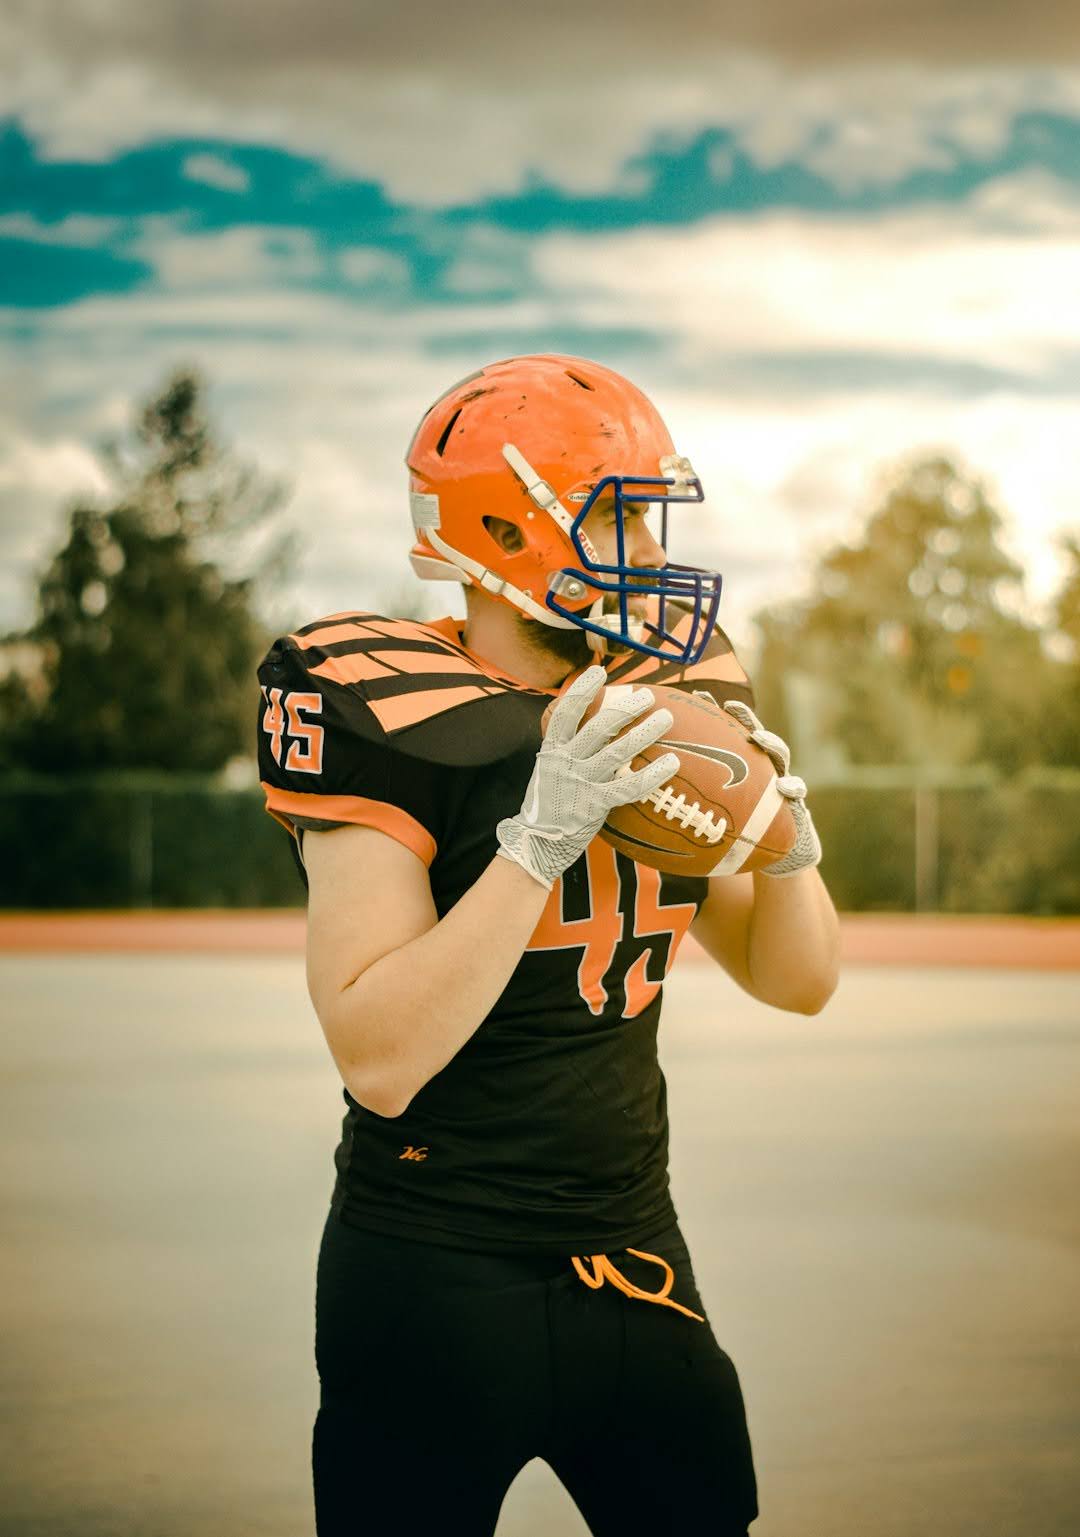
616	648
569	646
572	646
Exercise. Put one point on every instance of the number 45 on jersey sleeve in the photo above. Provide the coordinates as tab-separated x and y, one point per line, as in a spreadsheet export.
286	718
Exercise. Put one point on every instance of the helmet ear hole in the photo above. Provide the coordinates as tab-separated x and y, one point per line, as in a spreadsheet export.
506	535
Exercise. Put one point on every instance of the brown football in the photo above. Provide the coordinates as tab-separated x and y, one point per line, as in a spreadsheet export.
721	813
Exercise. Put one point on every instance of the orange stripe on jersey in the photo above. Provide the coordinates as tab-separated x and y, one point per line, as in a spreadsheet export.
653	917
357	810
351	668
401	629
684	627
451	629
721	669
597	935
425	661
643	669
725	668
403	710
330	633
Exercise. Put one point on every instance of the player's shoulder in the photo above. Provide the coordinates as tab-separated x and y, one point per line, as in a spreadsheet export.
403	682
718	671
361	647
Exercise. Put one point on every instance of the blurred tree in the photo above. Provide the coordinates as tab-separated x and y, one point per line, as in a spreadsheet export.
144	648
1067	606
1067	634
914	636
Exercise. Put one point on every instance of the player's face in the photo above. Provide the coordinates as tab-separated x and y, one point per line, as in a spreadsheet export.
641	546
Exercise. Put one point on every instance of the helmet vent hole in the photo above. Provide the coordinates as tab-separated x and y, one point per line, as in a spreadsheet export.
584	384
440	447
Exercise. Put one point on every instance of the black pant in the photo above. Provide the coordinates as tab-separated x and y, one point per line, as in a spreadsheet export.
443	1372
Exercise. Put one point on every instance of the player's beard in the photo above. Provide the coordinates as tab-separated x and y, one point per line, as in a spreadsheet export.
570	647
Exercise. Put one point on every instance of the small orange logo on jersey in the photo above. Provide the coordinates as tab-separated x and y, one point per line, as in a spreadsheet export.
417	1154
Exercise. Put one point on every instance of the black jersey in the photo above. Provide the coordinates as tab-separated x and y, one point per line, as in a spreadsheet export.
548	1130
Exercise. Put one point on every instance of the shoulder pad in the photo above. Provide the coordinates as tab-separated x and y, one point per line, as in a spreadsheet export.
719	671
409	685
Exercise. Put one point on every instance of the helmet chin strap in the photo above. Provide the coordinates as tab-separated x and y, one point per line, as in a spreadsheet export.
598	644
546	498
601	644
489	582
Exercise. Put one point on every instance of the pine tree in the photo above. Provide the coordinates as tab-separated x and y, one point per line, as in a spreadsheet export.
145	645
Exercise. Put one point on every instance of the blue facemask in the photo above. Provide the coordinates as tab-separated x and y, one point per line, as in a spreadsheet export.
683	591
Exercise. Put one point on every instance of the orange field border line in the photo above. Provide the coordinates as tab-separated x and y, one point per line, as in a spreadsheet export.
869	939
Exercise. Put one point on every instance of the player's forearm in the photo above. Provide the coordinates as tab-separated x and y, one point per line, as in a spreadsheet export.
793	942
414	1009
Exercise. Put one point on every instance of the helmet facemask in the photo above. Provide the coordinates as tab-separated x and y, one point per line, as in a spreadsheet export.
697	589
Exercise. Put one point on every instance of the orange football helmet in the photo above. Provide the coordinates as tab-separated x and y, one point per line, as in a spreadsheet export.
536	441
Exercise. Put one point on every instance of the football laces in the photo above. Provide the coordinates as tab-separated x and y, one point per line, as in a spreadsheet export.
688	814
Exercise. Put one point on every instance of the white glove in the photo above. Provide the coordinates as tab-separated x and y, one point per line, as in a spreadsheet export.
806	850
581	775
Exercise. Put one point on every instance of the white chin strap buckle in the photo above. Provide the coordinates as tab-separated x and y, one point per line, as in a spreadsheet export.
635	628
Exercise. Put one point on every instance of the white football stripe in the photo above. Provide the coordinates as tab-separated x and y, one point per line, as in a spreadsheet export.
757	824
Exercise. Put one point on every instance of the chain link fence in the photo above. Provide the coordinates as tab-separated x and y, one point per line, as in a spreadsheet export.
973	843
893	843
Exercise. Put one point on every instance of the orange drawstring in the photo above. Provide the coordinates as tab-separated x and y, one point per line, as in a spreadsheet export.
604	1270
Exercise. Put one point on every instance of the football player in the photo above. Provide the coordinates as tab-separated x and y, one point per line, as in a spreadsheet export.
501	1273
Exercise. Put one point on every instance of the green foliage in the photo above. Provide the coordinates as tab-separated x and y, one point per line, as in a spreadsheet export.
1067	607
914	637
137	840
868	842
144	646
174	841
1066	719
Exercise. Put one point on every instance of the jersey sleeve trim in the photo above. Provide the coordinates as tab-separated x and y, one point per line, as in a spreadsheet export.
356	810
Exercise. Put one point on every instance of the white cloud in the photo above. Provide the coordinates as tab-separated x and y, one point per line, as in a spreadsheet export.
39	475
368	267
721	162
1033	202
488	260
76	230
50	466
787	468
785	482
452	122
921	285
248	257
327	391
217	172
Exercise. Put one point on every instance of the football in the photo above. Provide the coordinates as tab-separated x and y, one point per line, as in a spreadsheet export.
721	813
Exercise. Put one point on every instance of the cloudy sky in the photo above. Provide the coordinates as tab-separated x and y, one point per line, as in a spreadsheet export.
822	237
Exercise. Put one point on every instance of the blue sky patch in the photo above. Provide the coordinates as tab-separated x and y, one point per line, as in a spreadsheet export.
38	276
193	187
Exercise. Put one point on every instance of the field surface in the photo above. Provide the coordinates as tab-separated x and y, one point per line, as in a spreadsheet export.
881	1204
